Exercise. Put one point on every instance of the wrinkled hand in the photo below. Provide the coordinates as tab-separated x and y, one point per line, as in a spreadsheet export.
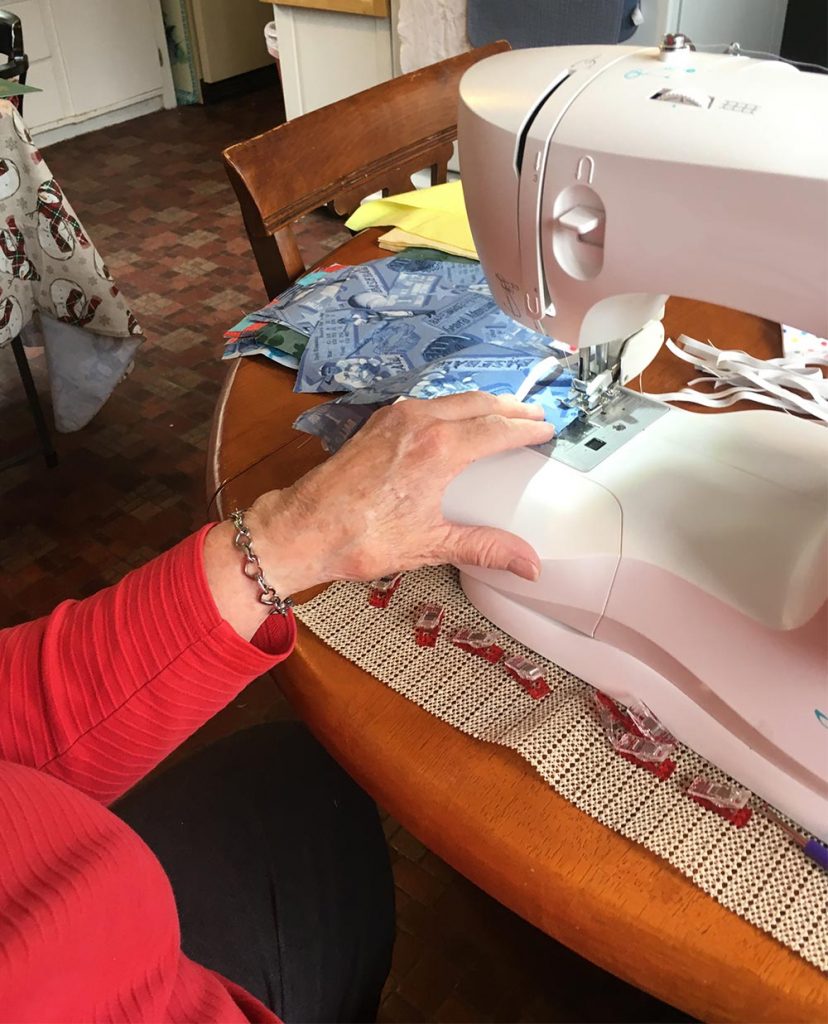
375	506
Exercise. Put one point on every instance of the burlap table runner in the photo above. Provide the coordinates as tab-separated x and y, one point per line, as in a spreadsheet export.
755	871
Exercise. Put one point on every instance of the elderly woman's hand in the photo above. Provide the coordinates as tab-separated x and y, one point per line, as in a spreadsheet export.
375	506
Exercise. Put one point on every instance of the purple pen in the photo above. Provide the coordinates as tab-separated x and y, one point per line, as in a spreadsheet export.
812	848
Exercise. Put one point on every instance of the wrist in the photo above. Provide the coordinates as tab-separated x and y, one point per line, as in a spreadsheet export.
286	541
235	596
305	538
290	547
252	566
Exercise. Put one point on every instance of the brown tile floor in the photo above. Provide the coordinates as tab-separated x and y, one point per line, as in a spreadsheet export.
154	197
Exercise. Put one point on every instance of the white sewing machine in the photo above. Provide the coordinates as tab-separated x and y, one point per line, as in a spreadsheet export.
684	556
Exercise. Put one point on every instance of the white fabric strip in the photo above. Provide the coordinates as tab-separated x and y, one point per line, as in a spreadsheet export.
793	383
545	368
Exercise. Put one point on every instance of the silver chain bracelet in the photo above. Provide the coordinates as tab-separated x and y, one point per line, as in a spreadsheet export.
252	567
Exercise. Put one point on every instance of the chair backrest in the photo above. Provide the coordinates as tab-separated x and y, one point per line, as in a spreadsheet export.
370	142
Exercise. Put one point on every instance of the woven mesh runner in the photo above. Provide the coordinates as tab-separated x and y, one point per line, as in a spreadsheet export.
755	871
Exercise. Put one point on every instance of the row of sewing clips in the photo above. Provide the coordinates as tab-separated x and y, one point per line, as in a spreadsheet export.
479	642
633	732
639	737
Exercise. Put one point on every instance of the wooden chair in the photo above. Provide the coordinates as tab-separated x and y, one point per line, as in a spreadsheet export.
372	141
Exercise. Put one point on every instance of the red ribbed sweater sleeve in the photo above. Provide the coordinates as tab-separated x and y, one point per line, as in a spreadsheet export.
101	690
91	698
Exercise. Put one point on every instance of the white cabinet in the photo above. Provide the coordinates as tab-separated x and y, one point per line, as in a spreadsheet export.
96	61
109	52
326	55
48	106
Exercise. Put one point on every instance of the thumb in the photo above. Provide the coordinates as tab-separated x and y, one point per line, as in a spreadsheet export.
490	548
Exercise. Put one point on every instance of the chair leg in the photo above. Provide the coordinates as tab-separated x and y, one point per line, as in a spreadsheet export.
46	446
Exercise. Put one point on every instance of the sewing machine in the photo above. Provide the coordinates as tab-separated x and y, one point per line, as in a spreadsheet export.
684	556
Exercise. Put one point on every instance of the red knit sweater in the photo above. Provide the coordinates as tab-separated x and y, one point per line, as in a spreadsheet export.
91	698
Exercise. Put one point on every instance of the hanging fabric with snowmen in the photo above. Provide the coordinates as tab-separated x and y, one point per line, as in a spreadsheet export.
55	290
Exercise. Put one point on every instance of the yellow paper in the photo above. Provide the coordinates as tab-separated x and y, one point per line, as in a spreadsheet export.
396	240
437	214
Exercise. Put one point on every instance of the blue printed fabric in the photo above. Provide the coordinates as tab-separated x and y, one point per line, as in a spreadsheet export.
407	325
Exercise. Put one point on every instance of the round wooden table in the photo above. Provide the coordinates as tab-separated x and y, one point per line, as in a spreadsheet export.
482	807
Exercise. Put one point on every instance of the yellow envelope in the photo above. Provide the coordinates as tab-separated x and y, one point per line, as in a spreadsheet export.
396	240
437	214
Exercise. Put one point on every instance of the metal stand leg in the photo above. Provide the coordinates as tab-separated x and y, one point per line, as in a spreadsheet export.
46	446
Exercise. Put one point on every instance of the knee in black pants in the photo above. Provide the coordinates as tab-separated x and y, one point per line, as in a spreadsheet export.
280	871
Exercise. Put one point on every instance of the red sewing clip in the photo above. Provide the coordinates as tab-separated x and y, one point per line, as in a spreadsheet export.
529	675
653	757
729	802
481	642
382	590
428	624
627	739
609	712
647	725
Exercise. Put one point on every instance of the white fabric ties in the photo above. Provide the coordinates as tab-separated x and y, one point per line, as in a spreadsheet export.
541	371
791	383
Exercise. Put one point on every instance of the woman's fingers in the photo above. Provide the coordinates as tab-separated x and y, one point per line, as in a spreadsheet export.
487	435
492	548
470	404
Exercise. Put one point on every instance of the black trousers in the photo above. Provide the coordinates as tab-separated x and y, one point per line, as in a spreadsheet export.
280	871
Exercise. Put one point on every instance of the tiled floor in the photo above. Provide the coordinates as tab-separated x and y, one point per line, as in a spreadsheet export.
154	197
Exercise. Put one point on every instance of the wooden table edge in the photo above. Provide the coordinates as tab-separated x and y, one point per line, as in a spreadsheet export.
566	925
